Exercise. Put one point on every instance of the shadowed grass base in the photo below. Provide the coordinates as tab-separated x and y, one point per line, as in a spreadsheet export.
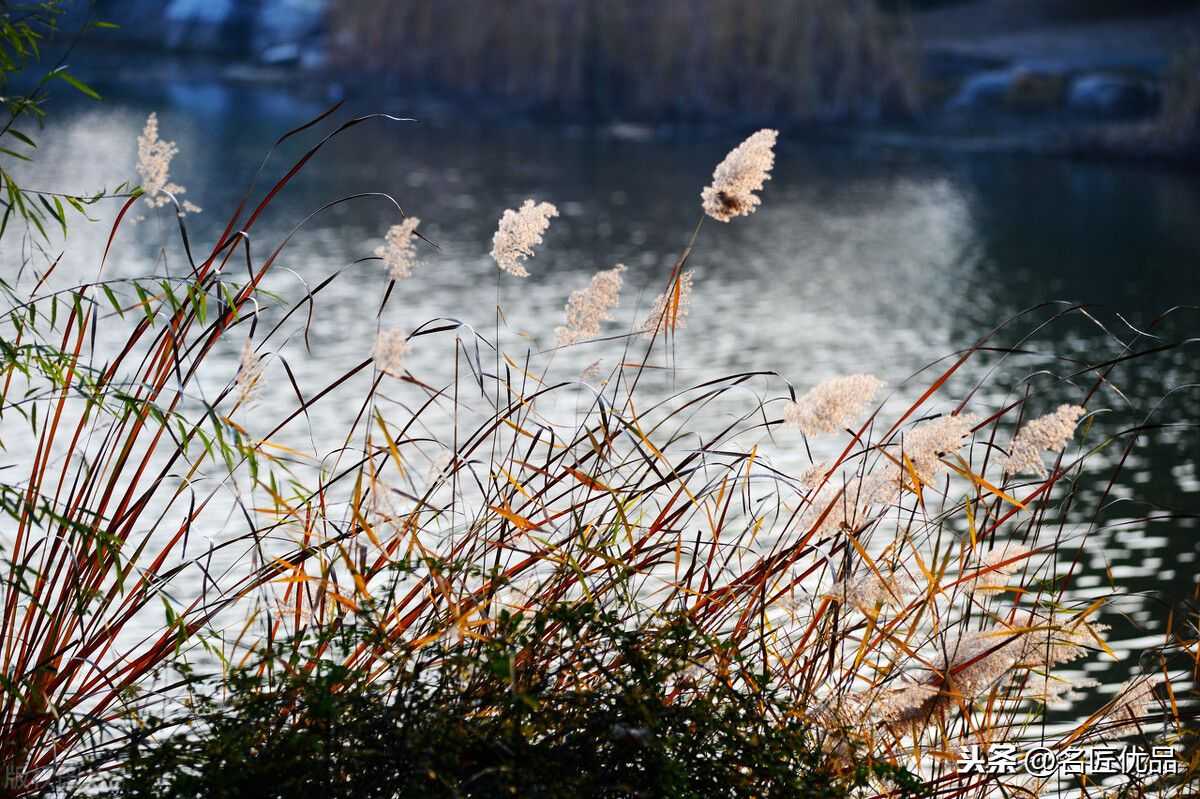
475	718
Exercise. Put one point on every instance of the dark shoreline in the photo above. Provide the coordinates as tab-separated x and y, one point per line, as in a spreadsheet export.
108	68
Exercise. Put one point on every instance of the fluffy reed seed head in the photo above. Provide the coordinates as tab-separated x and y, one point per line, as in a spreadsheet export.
1054	691
249	375
518	233
1006	560
829	406
905	703
743	172
883	484
976	661
154	167
869	590
1048	433
590	307
1132	704
979	660
391	348
927	442
399	251
670	309
995	567
813	476
845	503
971	664
838	506
1047	645
592	373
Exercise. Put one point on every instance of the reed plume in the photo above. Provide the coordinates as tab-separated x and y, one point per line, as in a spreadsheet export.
249	375
829	406
925	444
518	233
590	307
399	251
1049	433
669	311
391	349
154	168
736	179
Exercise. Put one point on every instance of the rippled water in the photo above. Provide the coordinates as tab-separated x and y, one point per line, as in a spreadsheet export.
860	259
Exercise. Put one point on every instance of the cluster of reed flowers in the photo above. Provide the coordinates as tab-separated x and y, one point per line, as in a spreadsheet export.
154	168
1128	711
1049	433
391	349
587	309
870	590
917	688
924	651
736	179
519	232
831	405
248	381
399	250
907	633
743	172
669	311
970	664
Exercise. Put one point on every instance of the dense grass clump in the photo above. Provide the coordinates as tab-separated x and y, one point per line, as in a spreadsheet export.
486	722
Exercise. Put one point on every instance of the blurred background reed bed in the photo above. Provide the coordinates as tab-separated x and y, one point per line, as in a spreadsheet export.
843	584
800	59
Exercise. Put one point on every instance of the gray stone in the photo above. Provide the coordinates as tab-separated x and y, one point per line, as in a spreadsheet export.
273	30
1113	96
288	21
211	25
983	89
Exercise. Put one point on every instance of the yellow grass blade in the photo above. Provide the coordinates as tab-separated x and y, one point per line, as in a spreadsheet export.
587	480
344	601
392	449
295	578
518	521
916	480
514	482
966	472
971	522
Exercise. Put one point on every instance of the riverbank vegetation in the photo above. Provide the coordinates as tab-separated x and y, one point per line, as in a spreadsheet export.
796	59
518	577
559	703
503	573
